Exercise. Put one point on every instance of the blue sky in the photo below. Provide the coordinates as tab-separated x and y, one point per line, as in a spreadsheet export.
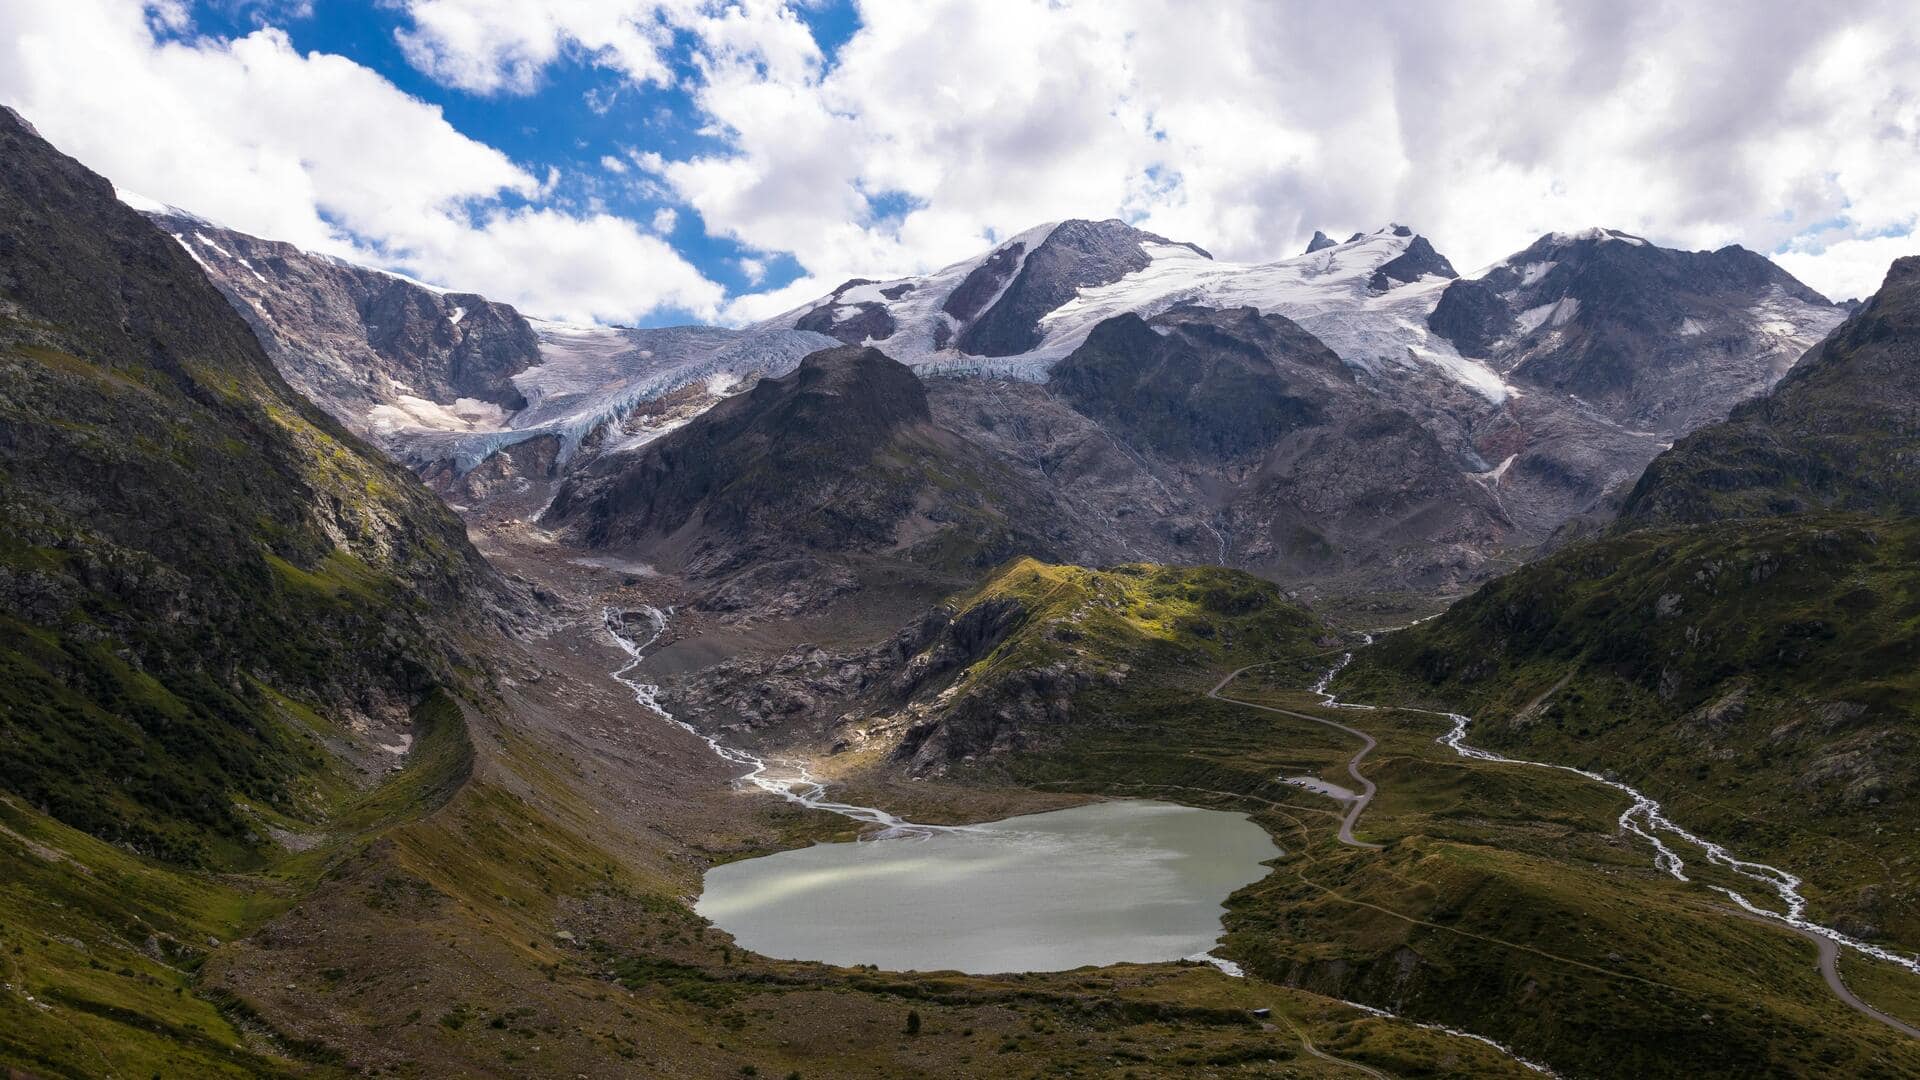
579	114
765	150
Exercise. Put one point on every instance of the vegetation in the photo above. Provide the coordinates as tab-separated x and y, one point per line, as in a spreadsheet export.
1761	679
196	566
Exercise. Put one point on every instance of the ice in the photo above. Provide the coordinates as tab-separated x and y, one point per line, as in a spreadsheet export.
207	240
1328	292
1600	234
1558	313
592	375
458	314
148	205
411	412
194	254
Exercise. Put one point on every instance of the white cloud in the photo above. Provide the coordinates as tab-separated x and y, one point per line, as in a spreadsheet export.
502	46
1849	269
942	125
321	152
754	270
612	164
1483	124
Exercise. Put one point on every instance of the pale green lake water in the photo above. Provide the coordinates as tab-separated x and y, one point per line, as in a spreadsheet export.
1127	881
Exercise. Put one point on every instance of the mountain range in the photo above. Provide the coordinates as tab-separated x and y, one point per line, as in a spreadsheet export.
381	669
1460	422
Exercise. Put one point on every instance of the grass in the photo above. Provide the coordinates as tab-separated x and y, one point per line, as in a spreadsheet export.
1505	901
1760	679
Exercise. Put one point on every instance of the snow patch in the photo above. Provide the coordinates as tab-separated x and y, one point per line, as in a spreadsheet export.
1558	313
410	412
188	248
456	315
207	240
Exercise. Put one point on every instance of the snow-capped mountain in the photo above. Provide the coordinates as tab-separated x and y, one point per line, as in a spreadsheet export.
1020	308
1400	423
1660	339
441	378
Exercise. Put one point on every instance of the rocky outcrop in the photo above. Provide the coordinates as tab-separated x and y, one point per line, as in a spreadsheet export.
1075	255
853	323
840	457
1840	431
1417	261
1655	338
1196	383
353	339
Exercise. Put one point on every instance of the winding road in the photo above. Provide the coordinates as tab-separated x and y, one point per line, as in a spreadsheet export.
1358	804
1644	818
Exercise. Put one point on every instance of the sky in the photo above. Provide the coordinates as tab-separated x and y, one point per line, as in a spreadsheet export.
654	163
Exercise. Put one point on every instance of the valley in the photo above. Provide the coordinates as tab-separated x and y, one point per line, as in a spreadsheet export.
973	674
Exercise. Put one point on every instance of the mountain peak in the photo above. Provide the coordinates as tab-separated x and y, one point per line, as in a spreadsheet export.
1320	240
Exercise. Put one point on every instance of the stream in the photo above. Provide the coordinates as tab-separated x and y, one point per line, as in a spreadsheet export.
1644	818
800	787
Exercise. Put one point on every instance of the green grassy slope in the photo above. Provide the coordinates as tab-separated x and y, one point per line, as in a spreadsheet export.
205	586
1762	680
184	543
1048	649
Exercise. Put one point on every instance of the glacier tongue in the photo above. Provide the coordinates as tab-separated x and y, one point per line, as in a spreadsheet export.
1328	291
593	375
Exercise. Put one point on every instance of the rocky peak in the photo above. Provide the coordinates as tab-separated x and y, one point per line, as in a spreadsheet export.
1200	382
755	458
352	338
1838	431
1661	338
1320	240
1075	255
1419	260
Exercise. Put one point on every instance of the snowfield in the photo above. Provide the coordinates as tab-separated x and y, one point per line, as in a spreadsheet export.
1328	292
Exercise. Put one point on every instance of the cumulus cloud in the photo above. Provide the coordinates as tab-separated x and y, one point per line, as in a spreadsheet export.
1772	124
324	153
495	46
942	126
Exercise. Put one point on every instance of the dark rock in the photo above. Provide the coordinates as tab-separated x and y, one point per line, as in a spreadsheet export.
1076	255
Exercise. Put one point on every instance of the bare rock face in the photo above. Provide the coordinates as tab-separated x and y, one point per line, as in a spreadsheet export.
1308	472
353	339
1075	255
855	323
1839	432
1653	338
1418	260
840	458
1196	383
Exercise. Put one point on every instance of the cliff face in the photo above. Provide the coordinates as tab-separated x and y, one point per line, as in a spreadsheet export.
1839	431
1655	338
186	544
839	457
353	339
